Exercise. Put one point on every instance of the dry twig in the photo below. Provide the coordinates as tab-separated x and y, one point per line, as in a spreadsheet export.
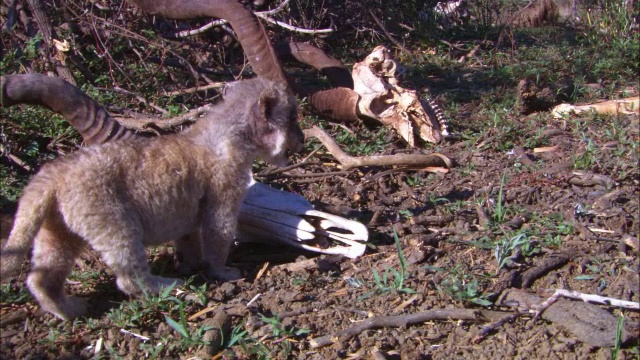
261	14
494	325
388	34
16	160
195	89
405	320
147	124
586	298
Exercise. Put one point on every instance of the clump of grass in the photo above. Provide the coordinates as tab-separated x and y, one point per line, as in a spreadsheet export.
612	30
391	279
140	311
509	248
188	338
500	212
281	336
464	287
11	294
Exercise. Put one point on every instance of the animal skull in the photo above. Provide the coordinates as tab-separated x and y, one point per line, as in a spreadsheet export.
383	99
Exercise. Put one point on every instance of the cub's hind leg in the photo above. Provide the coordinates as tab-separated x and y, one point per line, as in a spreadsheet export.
123	250
54	252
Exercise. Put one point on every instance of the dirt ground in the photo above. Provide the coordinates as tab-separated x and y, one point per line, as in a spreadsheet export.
450	265
533	205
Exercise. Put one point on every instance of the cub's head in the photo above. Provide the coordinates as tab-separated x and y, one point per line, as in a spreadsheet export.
274	123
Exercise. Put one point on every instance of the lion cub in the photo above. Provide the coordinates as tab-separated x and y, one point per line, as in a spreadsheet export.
121	196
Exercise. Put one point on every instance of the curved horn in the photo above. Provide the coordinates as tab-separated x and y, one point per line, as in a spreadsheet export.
90	119
250	32
339	103
333	69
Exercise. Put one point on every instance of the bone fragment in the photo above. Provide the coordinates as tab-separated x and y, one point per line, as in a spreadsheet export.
268	214
613	107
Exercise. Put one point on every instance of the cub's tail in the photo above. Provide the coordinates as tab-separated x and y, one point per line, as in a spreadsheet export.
36	201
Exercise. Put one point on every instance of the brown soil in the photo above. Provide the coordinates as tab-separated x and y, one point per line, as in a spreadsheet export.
447	244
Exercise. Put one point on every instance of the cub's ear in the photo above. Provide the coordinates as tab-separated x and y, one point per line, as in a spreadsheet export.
262	111
266	103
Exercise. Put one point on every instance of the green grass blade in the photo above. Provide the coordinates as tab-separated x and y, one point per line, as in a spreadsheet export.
177	327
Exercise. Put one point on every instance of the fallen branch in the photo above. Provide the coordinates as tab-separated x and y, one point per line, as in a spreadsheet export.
310	175
201	29
56	54
433	162
145	124
293	28
587	322
586	179
552	262
16	160
588	298
405	320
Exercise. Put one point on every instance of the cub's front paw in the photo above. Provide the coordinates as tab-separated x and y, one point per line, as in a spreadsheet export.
225	273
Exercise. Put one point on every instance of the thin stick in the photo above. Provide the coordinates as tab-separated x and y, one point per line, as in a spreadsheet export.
277	9
588	298
294	28
494	325
388	34
200	30
147	123
313	175
15	159
192	90
141	99
253	299
403	321
261	14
